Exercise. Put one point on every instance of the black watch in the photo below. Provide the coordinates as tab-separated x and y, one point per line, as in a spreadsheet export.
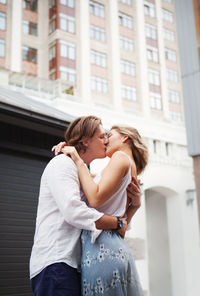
119	223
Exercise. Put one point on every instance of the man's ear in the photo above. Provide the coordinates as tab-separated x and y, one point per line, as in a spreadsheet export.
125	139
85	142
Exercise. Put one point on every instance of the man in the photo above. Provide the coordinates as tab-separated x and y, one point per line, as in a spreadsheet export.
62	214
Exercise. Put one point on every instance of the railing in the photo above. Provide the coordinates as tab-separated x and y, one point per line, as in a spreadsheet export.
39	86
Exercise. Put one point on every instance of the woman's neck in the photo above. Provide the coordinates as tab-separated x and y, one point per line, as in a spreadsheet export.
128	151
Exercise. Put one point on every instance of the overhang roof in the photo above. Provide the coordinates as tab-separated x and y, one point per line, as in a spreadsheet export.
26	107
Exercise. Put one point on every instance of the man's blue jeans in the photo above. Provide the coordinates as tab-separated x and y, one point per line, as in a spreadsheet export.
58	279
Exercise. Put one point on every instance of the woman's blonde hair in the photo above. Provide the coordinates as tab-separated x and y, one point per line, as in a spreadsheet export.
138	147
81	128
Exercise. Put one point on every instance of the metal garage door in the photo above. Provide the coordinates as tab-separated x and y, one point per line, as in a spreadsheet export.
19	185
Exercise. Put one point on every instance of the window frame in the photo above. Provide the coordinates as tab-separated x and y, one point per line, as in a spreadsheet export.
96	31
149	9
125	20
128	67
149	28
155	101
99	84
31	54
154	53
155	75
2	21
171	74
129	93
98	58
126	43
97	9
2	48
69	20
170	55
70	52
29	5
167	15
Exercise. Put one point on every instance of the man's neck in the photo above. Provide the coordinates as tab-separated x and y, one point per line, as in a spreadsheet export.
85	157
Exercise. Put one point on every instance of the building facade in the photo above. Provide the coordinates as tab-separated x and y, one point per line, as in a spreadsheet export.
118	60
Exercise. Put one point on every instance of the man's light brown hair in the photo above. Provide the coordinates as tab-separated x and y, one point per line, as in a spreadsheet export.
81	128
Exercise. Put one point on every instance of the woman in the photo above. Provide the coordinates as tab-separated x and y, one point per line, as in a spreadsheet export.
107	264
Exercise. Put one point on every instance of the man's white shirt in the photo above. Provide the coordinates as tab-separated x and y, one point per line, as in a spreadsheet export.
61	216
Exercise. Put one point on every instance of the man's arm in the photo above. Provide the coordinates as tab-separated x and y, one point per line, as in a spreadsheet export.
64	185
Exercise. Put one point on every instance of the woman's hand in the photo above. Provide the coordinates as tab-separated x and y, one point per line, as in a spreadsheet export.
68	151
72	152
58	148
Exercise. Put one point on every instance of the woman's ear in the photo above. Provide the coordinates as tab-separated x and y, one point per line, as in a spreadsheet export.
125	139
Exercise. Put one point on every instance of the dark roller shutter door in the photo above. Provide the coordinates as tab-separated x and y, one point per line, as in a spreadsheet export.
19	185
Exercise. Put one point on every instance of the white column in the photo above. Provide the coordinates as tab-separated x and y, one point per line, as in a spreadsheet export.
85	68
115	78
16	29
161	50
43	52
142	69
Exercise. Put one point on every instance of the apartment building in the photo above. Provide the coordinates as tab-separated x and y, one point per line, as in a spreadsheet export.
118	60
100	47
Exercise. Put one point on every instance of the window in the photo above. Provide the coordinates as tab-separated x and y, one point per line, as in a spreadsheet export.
172	75
127	67
69	3
67	74
97	33
168	148
67	50
167	15
149	9
52	25
52	3
3	1
52	51
156	146
168	34
176	116
126	43
99	84
152	54
129	93
125	20
155	101
67	23
97	9
173	96
127	2
154	77
170	54
29	54
151	31
98	58
2	48
29	28
31	4
2	21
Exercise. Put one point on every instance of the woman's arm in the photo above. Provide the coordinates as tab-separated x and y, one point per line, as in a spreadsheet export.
111	177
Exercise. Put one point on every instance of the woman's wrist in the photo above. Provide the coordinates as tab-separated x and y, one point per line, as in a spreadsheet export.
79	162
